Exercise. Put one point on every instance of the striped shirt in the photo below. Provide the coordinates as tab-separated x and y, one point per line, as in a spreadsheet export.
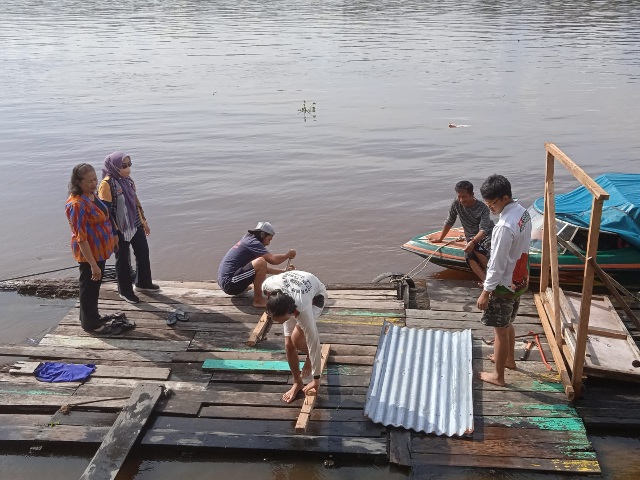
473	218
89	223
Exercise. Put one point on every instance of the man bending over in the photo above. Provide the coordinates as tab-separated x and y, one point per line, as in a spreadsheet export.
296	299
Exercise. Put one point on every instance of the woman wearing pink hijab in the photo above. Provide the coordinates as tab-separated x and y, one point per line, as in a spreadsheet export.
118	192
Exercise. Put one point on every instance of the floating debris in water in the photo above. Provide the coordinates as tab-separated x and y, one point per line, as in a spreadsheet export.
453	125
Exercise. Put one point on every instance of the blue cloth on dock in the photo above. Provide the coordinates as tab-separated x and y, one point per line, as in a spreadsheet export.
63	372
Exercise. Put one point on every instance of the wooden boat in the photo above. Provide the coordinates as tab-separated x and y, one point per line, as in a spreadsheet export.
618	244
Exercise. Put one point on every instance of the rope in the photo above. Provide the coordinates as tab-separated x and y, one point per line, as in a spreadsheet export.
412	273
36	274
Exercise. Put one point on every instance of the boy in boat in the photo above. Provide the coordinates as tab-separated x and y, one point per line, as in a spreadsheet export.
507	273
477	226
248	262
296	299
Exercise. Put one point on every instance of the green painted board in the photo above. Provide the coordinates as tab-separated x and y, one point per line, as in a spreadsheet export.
254	365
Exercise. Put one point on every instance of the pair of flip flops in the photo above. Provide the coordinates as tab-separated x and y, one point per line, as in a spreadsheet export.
177	316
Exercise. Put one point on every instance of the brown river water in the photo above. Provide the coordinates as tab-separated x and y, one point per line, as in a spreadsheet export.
205	97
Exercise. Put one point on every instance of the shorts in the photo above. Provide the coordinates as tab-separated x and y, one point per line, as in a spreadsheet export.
240	281
501	311
317	308
483	248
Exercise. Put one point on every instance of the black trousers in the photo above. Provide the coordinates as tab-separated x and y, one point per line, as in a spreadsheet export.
123	261
89	293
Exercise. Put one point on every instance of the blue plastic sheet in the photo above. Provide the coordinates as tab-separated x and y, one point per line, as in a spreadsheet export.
620	214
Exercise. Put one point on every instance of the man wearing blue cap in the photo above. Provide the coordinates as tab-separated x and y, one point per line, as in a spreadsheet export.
248	262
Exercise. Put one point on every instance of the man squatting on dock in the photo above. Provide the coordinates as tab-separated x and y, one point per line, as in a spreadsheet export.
248	262
296	299
477	226
507	273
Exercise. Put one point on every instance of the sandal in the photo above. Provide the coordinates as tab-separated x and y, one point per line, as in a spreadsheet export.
124	323
106	330
112	316
177	316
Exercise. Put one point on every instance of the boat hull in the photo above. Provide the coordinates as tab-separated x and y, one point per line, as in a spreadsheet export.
622	264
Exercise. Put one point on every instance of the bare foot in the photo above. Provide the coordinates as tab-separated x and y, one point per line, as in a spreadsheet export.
260	303
491	377
306	368
510	366
291	394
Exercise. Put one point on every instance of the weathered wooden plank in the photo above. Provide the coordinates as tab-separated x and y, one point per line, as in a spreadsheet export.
133	383
115	447
283	443
44	352
311	395
58	433
47	402
275	427
83	418
234	304
515	462
138	333
269	413
113	343
400	446
149	373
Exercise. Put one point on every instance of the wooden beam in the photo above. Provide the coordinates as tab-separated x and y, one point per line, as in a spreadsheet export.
550	217
113	451
596	190
311	396
400	446
218	364
555	350
103	371
544	262
259	330
587	289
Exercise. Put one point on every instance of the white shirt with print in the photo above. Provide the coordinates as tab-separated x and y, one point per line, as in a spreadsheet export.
302	287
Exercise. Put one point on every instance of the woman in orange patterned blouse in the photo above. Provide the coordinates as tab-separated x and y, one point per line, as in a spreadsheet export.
92	241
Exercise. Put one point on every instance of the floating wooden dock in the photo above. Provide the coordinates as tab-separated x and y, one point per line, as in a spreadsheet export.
527	425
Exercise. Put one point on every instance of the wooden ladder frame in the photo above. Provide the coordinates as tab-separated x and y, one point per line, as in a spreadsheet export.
550	309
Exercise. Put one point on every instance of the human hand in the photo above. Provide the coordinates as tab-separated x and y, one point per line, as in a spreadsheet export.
290	267
96	273
434	238
116	241
147	230
291	254
483	300
468	248
312	387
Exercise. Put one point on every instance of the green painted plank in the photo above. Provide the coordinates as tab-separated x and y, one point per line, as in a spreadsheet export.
34	392
543	423
244	365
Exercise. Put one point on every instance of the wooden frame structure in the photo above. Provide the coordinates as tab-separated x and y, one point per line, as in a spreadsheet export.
549	305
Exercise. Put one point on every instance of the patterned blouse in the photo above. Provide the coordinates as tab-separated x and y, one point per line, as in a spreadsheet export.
89	222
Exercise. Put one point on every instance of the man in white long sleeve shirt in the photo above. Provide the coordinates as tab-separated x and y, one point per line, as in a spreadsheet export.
296	300
507	273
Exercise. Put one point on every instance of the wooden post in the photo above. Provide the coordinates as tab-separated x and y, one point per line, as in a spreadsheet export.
544	261
550	226
587	290
115	447
311	396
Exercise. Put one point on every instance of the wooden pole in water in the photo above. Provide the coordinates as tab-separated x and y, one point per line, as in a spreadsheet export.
544	261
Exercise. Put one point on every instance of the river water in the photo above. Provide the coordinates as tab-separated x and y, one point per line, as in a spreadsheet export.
206	96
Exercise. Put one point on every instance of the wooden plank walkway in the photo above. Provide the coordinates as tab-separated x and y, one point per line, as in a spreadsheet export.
528	425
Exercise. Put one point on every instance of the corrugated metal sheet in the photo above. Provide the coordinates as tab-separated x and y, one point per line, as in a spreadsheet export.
422	380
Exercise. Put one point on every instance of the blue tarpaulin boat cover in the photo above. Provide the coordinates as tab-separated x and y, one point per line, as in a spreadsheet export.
620	214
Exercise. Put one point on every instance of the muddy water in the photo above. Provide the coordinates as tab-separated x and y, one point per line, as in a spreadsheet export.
205	96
